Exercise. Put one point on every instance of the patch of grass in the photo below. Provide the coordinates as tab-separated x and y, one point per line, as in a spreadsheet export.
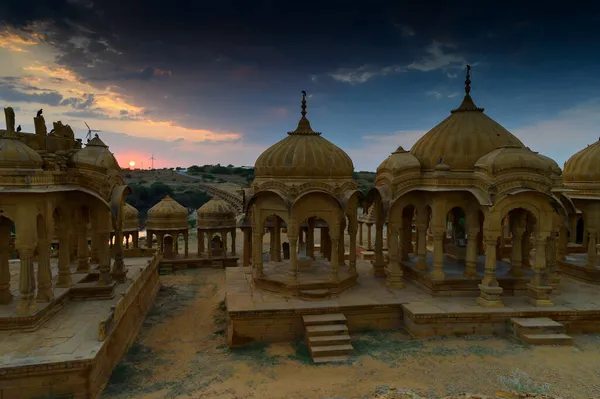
170	300
520	382
443	351
302	354
381	346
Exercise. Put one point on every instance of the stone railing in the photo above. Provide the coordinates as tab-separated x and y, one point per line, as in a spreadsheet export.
127	298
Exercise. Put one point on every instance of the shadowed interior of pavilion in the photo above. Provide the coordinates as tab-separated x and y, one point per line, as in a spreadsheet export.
461	257
321	269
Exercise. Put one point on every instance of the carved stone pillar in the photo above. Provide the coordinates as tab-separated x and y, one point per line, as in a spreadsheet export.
437	272
126	240
5	294
335	265
104	257
407	238
592	257
563	243
360	234
27	303
83	264
45	293
471	258
394	269
257	260
136	239
200	238
176	243
422	247
341	248
64	254
551	257
224	242
247	248
186	245
526	248
352	255
490	289
233	242
293	255
119	272
538	288
310	238
94	257
379	262
369	240
586	239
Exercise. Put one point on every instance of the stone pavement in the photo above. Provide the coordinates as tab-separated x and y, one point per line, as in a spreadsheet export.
71	334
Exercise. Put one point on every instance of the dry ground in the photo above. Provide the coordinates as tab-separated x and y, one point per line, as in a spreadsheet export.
181	352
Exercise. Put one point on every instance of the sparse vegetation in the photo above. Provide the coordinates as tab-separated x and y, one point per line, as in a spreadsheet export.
520	382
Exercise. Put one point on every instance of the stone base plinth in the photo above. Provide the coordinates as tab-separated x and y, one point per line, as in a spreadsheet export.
490	296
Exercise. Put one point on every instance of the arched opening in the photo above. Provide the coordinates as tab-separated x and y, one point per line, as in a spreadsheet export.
516	244
168	250
455	242
580	231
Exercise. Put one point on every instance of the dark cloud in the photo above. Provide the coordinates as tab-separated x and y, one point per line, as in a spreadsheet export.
86	101
89	114
11	93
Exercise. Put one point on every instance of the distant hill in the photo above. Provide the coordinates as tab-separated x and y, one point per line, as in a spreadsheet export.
150	186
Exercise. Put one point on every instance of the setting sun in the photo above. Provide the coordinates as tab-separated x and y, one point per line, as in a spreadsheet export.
131	164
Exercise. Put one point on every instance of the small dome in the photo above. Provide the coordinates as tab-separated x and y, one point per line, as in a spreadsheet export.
14	154
584	166
216	212
304	154
168	214
96	154
131	219
516	157
399	161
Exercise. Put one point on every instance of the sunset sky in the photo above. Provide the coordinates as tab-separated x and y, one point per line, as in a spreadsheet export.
197	82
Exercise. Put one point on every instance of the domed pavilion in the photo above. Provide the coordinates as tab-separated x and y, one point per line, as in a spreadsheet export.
469	181
217	221
167	220
131	226
303	179
581	180
53	189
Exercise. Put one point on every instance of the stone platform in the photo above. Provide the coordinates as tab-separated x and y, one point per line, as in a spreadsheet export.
454	284
314	278
574	265
73	353
167	265
258	315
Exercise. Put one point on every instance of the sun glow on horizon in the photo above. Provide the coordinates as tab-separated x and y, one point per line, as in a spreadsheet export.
131	164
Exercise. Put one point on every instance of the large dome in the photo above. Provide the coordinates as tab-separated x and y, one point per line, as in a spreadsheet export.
304	154
216	212
584	166
14	154
95	154
515	157
462	138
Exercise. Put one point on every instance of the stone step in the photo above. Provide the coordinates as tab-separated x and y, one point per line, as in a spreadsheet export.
536	325
331	350
317	319
329	340
315	294
547	339
326	329
331	359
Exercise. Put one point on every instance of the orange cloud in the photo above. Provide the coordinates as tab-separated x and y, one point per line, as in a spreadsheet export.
14	42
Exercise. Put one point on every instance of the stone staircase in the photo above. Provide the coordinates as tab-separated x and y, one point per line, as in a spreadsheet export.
327	337
539	331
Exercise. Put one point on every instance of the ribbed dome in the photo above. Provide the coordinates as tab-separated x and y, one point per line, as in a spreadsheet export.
462	138
400	160
304	154
14	154
216	212
584	166
168	214
96	154
516	157
131	219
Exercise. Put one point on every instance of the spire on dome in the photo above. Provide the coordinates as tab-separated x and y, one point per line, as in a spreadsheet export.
468	104
304	124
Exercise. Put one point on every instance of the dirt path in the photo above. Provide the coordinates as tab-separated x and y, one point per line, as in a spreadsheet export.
181	352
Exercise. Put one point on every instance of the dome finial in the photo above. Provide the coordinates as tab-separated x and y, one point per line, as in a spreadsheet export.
468	81
303	104
304	125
